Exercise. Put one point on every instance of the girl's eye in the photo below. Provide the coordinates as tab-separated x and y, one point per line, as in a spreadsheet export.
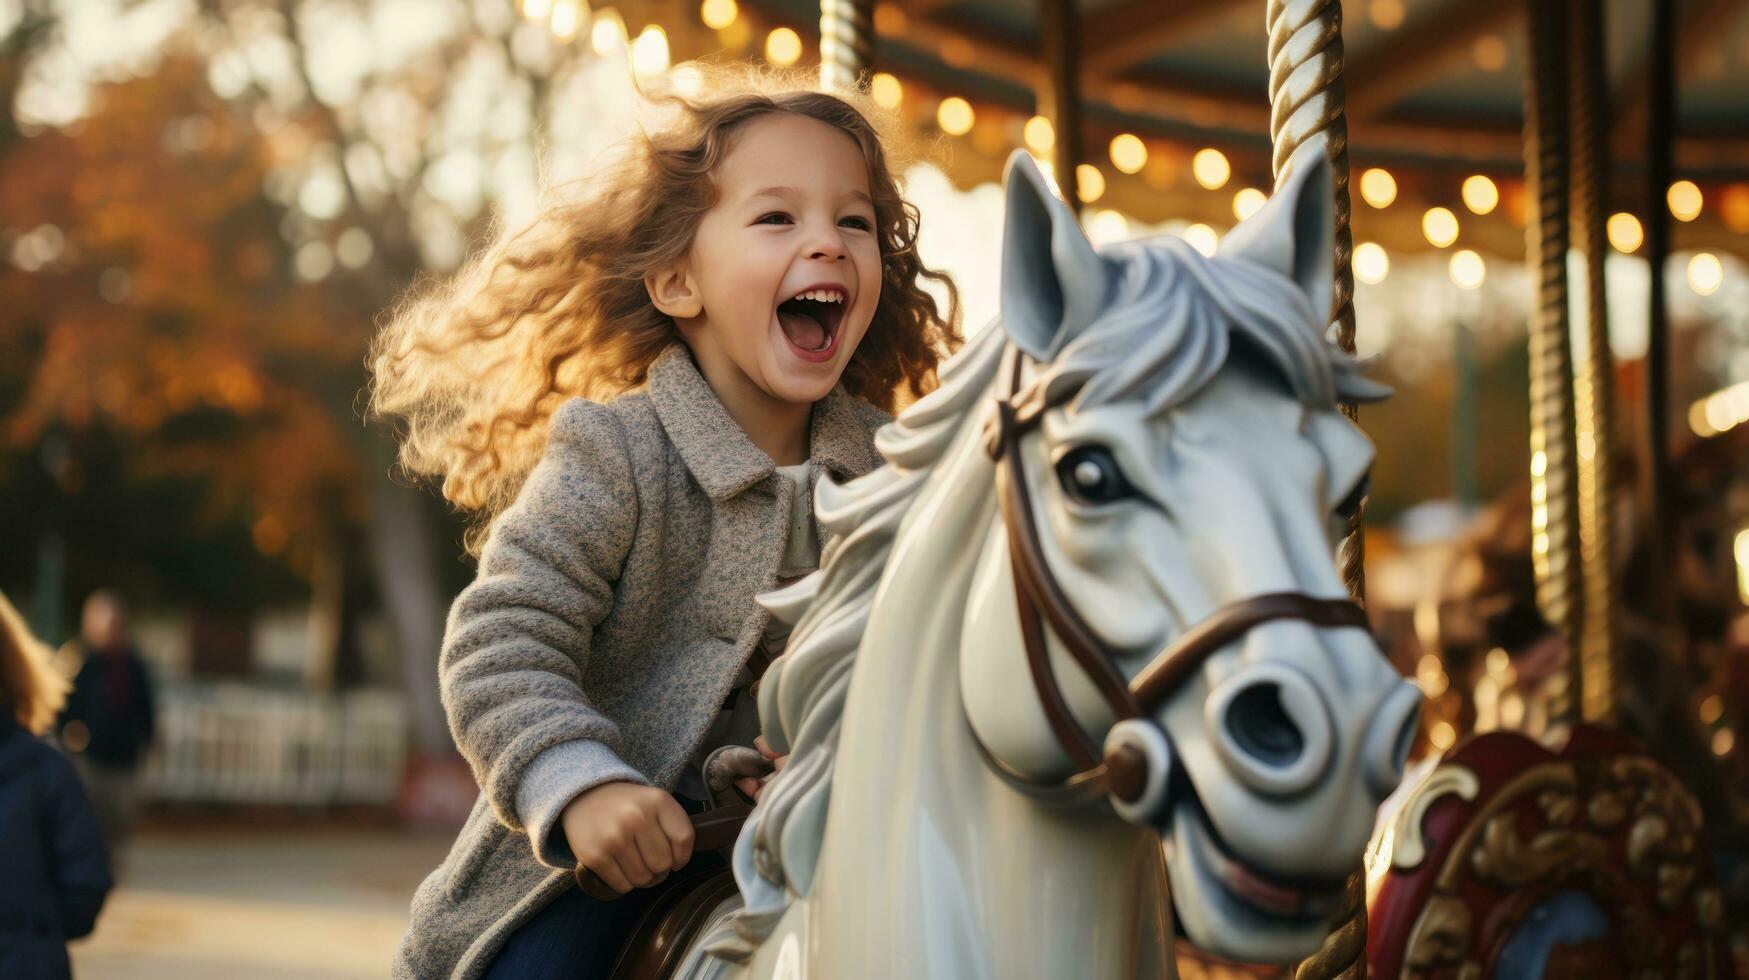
774	217
1090	475
858	221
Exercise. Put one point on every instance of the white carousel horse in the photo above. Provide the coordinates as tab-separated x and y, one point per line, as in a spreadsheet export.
1144	527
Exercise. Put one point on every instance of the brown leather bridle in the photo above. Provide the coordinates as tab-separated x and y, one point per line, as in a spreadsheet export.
1123	771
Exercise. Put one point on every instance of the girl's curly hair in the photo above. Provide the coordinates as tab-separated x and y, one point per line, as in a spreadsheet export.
474	365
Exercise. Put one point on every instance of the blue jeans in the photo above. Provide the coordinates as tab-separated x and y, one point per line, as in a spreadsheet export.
579	938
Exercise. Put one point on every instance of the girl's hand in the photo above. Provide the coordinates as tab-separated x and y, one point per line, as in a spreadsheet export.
753	787
631	836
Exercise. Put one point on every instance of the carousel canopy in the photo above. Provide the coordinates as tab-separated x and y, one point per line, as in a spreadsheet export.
1434	89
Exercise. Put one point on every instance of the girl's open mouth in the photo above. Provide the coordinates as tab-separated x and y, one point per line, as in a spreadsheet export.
810	323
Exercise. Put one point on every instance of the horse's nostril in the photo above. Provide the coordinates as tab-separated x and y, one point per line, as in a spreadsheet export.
1261	727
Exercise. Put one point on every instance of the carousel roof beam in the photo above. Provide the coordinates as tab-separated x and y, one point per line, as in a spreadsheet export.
1381	77
997	57
1125	33
1698	24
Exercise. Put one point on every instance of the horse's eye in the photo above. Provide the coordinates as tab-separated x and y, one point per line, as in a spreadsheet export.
1090	475
1356	498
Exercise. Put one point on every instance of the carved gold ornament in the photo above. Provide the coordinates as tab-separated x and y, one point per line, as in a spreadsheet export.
1619	829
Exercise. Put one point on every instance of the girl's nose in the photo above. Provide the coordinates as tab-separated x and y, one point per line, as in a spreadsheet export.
827	246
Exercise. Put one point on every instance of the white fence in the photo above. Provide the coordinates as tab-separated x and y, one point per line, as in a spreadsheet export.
228	742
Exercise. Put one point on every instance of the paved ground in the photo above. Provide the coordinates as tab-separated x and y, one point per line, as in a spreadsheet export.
266	903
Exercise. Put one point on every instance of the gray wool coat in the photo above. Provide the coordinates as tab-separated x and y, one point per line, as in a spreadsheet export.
612	609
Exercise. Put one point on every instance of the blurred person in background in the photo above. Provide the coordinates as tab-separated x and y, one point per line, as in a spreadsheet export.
54	873
109	720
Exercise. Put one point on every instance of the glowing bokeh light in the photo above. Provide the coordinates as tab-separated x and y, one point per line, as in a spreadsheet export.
718	14
1247	201
1039	134
955	116
650	52
1202	238
1705	273
1090	182
1467	269
1440	227
1480	194
566	18
1377	187
1624	232
1128	153
1371	263
1685	200
1210	168
886	90
783	47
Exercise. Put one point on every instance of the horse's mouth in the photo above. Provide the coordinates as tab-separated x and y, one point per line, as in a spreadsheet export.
1297	899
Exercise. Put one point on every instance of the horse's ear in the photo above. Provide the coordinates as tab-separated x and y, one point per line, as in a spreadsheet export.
1295	232
1053	282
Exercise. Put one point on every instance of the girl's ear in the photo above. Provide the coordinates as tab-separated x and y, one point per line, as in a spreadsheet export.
673	292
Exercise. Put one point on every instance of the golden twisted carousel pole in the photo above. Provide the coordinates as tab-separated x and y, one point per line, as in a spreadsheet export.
846	44
1593	385
1553	458
1306	99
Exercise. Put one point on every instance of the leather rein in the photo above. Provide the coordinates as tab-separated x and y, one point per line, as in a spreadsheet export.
1042	601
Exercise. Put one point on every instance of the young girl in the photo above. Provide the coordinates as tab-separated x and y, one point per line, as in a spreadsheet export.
56	871
741	298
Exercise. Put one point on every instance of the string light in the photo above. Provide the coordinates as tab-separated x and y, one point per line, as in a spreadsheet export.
1090	182
1705	273
1247	201
1685	200
1377	187
1467	269
718	14
1371	263
955	116
1625	233
1210	168
1440	226
886	90
1128	153
1039	134
537	9
783	47
1480	194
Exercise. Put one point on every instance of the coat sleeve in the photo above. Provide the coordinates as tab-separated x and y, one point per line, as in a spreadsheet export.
80	864
519	637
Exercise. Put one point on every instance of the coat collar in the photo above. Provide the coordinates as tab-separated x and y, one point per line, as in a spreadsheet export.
719	454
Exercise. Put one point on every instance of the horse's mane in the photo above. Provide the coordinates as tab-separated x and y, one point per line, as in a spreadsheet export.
1167	327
